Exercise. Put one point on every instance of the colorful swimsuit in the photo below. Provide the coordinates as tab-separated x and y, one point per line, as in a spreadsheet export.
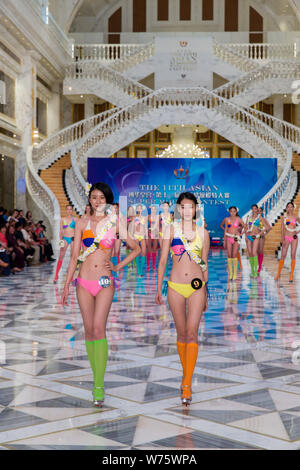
138	221
230	236
287	223
65	227
178	249
251	225
107	243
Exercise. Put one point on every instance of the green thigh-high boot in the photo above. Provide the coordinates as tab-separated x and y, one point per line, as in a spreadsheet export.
91	355
100	358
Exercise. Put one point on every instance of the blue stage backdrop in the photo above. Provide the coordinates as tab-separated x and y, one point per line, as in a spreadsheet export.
218	182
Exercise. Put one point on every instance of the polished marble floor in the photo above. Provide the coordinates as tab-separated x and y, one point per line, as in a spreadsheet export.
246	385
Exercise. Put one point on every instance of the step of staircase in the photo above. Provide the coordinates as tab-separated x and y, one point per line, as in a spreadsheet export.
296	161
53	178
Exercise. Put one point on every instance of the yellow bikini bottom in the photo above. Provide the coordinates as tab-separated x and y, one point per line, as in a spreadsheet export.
139	237
186	290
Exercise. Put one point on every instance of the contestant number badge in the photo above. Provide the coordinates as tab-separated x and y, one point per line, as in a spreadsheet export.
104	281
196	283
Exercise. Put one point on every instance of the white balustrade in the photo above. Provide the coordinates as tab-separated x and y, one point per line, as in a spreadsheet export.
75	190
42	195
179	98
45	153
84	70
284	129
263	51
113	53
272	71
134	59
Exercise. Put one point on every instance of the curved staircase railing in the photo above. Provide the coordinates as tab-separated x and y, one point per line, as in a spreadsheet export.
54	146
271	71
94	70
42	195
180	97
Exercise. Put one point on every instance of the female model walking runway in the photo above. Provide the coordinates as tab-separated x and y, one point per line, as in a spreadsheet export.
253	235
232	236
66	235
95	284
189	250
289	237
140	234
261	244
153	237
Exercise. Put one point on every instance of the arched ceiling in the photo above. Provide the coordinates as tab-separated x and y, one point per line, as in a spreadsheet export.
85	15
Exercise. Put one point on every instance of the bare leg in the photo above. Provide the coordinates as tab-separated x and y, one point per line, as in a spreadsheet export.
62	253
177	305
87	306
196	305
294	246
102	307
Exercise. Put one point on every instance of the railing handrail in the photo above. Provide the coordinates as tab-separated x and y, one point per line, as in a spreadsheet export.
55	215
100	67
283	176
162	91
39	148
273	118
108	46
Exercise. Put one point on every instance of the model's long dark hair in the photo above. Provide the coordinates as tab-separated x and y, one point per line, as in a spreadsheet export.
105	189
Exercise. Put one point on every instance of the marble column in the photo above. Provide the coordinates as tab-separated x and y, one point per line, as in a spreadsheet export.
26	120
278	111
89	103
54	110
278	107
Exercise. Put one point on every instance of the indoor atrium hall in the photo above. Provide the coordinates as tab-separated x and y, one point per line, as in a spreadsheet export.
149	226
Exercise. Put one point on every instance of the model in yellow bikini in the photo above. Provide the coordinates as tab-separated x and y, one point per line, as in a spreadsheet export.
187	285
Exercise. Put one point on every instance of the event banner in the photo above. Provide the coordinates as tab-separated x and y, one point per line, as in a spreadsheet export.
218	182
183	61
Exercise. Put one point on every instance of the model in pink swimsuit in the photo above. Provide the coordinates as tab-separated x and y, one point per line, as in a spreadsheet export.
231	227
289	237
95	283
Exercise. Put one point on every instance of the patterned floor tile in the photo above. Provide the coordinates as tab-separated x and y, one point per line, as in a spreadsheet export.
246	376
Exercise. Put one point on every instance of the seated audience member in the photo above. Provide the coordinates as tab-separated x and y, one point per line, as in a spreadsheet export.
4	252
17	254
21	217
30	228
40	233
28	250
14	216
28	217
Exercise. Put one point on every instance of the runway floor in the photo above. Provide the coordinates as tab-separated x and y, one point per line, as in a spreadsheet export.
246	385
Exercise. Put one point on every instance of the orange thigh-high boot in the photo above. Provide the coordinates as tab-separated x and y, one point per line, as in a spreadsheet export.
191	358
280	266
181	348
293	264
239	260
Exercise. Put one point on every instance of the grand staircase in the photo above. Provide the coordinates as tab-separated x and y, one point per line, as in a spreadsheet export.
53	177
105	69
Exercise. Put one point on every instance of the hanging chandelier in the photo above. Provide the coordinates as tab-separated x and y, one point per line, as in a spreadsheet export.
183	151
